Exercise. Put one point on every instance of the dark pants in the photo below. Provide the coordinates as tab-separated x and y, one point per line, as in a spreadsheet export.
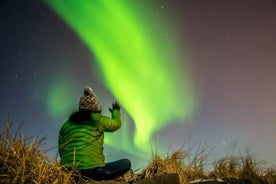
109	171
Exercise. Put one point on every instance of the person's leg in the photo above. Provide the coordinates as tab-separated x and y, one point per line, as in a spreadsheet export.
110	171
95	174
117	168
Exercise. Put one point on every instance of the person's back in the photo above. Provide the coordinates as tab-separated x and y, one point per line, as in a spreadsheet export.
81	139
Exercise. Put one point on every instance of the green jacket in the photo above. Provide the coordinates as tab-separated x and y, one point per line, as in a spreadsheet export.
81	138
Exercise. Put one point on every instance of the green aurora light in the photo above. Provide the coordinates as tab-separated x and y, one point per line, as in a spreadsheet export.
138	62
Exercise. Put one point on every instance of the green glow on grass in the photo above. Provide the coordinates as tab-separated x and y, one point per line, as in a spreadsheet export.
137	59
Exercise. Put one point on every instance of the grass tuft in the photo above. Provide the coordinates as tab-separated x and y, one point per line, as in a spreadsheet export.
231	169
23	161
175	163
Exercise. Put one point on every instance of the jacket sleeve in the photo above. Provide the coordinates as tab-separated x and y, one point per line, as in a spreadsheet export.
108	124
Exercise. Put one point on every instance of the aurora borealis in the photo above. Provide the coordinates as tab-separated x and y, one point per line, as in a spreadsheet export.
212	64
128	51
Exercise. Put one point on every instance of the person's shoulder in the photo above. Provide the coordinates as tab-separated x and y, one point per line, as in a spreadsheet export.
65	126
95	116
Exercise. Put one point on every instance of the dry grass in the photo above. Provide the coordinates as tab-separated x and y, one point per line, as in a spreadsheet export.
245	167
22	160
175	163
170	164
232	169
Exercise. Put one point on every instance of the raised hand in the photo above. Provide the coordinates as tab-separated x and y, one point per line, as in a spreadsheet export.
115	105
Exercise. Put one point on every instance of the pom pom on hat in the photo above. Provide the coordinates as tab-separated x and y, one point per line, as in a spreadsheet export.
89	101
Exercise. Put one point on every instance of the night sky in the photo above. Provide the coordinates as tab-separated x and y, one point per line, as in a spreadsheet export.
230	47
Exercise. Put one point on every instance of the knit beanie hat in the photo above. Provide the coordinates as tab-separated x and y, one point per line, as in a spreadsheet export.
89	101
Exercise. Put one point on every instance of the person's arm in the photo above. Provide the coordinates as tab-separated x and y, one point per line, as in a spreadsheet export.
109	124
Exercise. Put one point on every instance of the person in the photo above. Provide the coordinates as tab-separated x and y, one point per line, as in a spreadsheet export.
81	139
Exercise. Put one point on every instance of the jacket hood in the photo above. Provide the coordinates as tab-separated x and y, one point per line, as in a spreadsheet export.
81	116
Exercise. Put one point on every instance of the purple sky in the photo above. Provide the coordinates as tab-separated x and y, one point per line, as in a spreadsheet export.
231	47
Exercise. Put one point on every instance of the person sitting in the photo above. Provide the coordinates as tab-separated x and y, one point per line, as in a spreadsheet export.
81	139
